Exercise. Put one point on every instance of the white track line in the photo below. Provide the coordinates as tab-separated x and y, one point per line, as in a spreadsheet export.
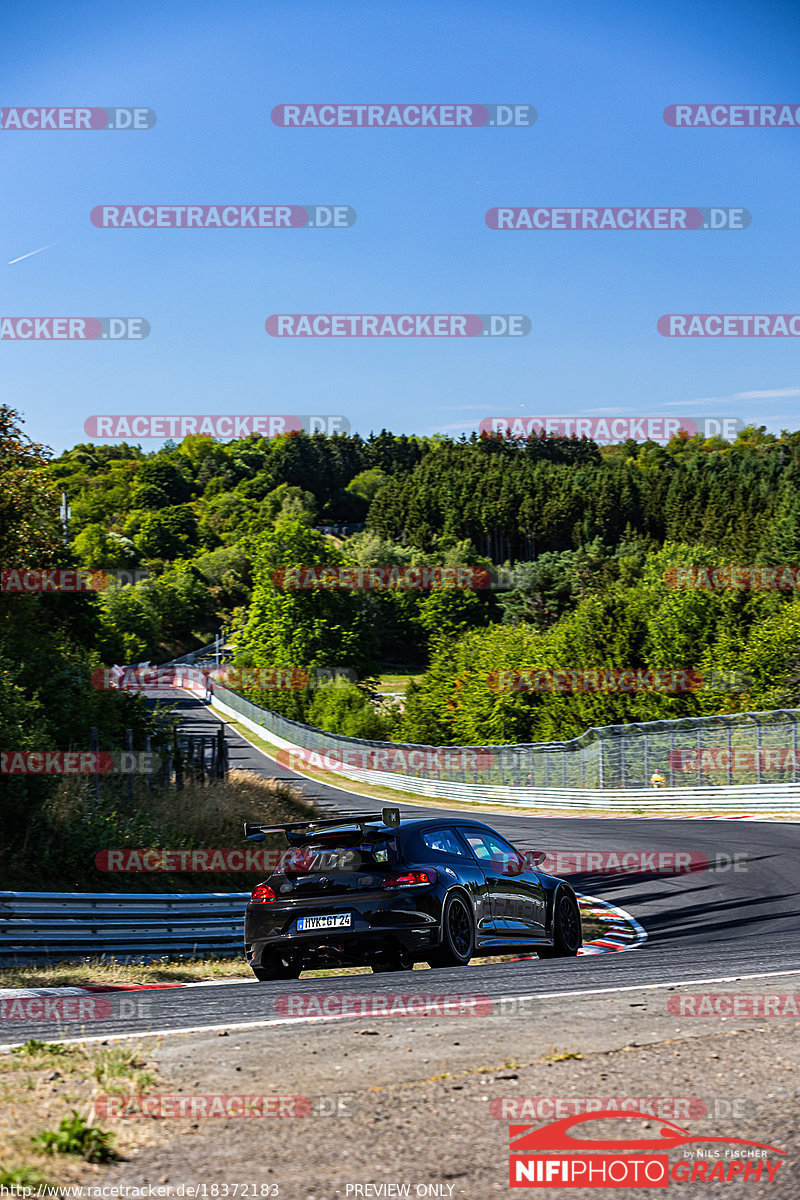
236	1025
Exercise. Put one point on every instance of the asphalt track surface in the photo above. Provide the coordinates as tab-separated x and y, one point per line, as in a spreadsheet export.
715	924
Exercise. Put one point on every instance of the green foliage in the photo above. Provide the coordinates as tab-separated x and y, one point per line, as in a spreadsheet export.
130	627
591	531
75	1136
350	711
367	484
98	548
29	499
304	628
288	503
170	533
20	1177
34	1046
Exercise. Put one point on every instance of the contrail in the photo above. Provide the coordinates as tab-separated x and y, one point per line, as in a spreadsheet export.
39	251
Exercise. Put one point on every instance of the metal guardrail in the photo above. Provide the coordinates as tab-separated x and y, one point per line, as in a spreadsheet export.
41	926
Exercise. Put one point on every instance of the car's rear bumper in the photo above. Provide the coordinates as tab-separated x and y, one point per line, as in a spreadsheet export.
378	926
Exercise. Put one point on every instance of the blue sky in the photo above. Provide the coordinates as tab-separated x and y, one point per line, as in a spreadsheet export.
599	77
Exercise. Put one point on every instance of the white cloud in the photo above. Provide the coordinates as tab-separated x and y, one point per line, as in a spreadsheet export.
766	394
775	393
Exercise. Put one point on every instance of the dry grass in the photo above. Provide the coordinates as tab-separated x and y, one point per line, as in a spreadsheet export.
207	812
73	827
42	1083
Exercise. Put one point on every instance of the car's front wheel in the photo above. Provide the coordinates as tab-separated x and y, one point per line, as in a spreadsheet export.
567	933
273	966
458	935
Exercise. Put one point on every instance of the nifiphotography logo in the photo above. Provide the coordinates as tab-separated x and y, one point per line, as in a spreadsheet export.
550	1156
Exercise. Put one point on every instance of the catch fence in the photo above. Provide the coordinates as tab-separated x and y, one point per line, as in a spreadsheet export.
723	751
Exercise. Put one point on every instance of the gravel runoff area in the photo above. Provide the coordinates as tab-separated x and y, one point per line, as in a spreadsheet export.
417	1098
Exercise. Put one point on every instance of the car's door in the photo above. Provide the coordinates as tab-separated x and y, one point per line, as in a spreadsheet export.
517	896
444	849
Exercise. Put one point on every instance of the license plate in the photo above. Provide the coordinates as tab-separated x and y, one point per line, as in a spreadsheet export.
333	921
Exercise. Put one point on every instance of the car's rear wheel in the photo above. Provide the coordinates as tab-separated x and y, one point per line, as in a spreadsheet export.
458	935
274	966
567	935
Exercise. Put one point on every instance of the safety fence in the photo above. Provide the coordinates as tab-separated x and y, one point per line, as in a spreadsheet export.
743	751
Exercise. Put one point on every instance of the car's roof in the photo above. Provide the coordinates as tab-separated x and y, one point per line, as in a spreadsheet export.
433	822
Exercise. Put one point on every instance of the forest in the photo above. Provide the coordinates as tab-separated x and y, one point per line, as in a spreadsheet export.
582	541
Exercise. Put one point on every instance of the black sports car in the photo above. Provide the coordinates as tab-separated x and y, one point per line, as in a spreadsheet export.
376	891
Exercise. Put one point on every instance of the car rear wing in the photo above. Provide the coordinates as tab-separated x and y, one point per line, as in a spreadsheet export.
256	832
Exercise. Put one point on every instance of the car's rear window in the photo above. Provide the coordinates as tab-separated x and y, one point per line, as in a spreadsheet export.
338	851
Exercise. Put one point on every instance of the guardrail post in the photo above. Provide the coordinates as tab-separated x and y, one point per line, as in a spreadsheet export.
730	755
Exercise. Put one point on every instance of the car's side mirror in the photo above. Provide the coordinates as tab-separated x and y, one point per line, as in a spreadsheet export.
535	858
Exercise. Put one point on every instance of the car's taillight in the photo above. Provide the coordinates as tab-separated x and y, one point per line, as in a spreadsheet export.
410	879
263	894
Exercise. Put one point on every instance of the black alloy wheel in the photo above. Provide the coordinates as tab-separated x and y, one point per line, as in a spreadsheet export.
458	935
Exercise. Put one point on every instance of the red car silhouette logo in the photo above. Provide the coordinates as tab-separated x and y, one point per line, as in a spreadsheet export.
526	1139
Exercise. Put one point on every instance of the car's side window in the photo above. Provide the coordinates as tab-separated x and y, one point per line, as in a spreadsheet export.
491	849
443	841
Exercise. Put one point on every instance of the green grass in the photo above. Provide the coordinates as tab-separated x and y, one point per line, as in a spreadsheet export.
75	1136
